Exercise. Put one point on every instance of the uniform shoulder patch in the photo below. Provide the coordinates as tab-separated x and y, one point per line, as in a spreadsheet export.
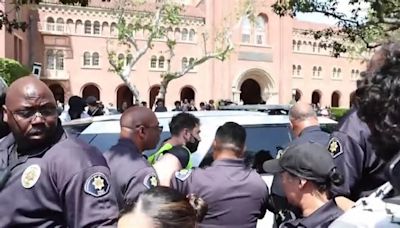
151	181
183	174
30	176
334	147
97	185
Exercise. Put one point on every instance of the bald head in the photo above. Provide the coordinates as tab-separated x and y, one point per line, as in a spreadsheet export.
30	110
301	116
135	116
140	125
28	87
301	111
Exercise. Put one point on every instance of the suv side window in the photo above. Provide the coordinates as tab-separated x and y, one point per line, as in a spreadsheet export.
263	142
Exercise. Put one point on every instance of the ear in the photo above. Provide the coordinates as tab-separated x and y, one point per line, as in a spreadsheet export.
5	116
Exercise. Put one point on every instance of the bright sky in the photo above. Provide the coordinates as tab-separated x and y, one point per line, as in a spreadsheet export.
316	17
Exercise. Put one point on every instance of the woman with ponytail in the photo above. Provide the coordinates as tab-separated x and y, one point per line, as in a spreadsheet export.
163	207
308	172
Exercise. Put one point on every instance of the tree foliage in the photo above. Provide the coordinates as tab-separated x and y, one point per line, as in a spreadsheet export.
10	70
367	25
154	24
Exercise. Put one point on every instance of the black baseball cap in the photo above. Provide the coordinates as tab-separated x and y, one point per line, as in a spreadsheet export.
308	160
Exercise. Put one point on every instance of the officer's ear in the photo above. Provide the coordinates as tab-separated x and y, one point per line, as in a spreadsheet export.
5	117
302	183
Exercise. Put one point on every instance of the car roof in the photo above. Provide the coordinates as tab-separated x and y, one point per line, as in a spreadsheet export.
107	124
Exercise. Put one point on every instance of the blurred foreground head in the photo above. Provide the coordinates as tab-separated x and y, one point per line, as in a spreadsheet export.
163	207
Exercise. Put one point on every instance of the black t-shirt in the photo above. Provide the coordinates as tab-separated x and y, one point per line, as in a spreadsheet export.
181	153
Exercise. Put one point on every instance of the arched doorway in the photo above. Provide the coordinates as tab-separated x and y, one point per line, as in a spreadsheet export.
153	94
187	93
297	95
58	92
124	95
91	90
315	97
335	99
250	92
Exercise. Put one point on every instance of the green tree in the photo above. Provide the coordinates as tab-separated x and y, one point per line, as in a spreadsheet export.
153	24
366	26
10	70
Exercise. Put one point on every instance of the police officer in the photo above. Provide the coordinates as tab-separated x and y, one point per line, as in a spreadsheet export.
185	138
308	172
353	153
47	178
236	195
354	156
4	129
305	126
130	171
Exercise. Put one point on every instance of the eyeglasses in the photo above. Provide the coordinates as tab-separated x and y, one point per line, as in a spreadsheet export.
40	112
159	127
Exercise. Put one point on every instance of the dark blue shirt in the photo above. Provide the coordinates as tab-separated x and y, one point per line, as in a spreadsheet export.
236	195
355	158
65	185
130	171
321	218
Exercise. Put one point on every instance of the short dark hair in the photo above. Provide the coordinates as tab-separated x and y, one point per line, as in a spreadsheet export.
232	133
177	103
380	101
181	121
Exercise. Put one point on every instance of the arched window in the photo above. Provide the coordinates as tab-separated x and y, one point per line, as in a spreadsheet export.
95	59
352	74
298	45
96	28
298	70
294	70
88	27
294	45
177	33
319	47
153	62
113	29
319	72
50	59
170	33
60	25
314	47
50	24
86	59
334	73
246	30
192	33
161	61
129	58
260	29
339	71
184	62
60	60
78	27
105	29
185	34
70	26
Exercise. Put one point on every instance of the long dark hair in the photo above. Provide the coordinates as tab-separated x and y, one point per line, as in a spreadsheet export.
170	209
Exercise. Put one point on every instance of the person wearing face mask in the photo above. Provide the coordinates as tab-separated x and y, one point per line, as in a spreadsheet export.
175	153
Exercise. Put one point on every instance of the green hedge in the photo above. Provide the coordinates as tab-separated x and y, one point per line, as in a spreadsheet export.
10	70
338	113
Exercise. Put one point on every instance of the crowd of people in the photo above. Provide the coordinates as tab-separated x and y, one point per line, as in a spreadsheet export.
49	178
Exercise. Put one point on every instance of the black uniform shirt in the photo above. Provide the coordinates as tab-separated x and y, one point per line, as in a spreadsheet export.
66	185
131	173
312	133
354	157
321	218
236	195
